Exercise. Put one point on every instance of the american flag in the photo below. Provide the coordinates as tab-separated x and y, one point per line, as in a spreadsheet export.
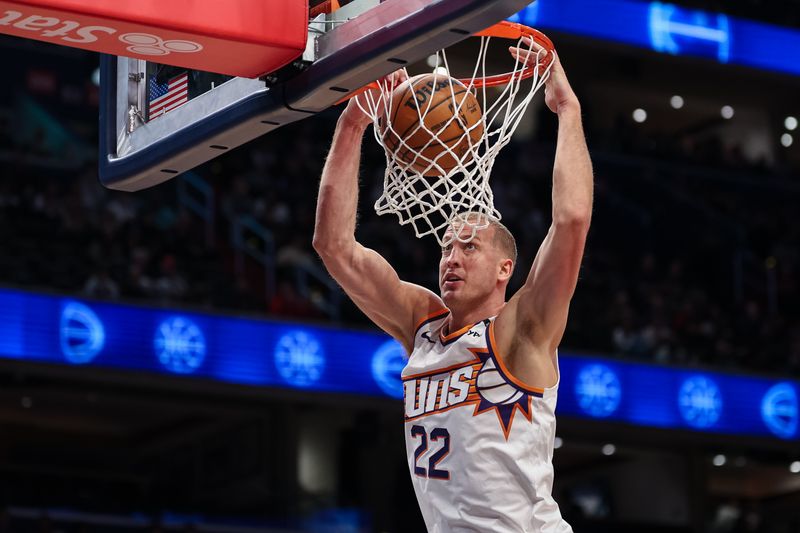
167	96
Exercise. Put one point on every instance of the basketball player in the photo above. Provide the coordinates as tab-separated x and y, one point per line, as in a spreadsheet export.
482	374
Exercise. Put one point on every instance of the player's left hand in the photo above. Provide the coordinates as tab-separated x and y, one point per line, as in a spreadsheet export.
558	94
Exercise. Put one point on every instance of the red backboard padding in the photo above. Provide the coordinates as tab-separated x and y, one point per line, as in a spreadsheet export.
244	38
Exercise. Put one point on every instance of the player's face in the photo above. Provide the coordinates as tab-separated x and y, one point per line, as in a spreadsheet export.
468	270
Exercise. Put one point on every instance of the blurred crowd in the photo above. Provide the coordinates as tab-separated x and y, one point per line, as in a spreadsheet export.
687	262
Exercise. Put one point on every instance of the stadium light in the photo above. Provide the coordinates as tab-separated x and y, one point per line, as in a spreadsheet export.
791	123
726	112
609	449
719	460
676	102
639	115
794	468
787	140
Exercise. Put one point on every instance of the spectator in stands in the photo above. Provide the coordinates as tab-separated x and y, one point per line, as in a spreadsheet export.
169	285
100	285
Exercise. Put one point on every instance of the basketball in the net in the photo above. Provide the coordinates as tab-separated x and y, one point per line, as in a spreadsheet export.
451	117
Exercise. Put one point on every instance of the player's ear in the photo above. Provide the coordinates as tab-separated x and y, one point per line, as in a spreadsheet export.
506	269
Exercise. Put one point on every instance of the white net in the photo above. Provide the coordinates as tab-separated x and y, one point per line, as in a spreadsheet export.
439	168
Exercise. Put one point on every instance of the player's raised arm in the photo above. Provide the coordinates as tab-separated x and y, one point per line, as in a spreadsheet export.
538	312
367	278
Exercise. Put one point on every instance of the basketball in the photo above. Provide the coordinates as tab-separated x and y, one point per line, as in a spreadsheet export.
451	119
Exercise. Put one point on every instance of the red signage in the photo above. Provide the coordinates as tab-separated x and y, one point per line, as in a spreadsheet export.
246	38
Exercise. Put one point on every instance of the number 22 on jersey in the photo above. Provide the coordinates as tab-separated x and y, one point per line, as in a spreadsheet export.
440	448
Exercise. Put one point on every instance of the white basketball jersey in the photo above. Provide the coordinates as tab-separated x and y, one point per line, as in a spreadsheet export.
479	442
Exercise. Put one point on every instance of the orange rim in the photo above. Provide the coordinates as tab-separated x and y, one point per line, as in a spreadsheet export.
514	31
502	30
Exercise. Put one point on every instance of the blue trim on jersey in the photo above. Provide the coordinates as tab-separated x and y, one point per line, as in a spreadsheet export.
439	316
465	331
499	367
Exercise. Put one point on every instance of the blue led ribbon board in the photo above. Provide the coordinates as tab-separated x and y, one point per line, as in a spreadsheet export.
700	401
299	358
598	390
675	398
670	29
81	332
179	345
262	353
779	410
675	31
388	362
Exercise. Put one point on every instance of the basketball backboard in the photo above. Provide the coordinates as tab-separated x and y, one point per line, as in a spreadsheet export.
158	121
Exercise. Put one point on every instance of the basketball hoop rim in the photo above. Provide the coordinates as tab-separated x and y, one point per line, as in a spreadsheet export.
514	31
503	30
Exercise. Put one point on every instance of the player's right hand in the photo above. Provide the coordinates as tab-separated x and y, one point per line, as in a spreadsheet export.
558	94
374	97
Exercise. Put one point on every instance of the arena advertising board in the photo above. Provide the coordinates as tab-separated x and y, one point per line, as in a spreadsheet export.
671	29
263	353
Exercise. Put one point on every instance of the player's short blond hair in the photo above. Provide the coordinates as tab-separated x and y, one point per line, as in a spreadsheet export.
502	238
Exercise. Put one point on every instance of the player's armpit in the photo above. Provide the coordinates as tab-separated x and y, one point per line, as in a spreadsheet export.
529	328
